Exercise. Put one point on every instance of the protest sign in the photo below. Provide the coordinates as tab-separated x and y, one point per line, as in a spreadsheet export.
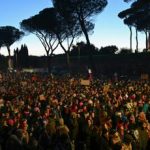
1	77
71	81
131	88
85	82
144	76
42	97
106	88
23	83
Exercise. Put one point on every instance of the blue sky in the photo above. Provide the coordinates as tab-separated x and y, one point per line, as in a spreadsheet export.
109	29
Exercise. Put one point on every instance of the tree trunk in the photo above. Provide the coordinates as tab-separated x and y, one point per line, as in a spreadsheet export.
91	61
79	54
48	62
10	62
146	40
137	43
68	60
130	28
8	48
85	32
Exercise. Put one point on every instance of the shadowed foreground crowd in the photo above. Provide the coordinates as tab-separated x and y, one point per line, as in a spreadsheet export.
49	113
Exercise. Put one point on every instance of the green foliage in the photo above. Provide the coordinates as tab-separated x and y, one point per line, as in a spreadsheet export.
79	8
43	25
137	15
21	57
108	50
80	12
127	1
125	51
80	49
44	21
9	35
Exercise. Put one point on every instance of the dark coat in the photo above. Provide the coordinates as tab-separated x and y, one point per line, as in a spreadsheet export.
104	144
14	143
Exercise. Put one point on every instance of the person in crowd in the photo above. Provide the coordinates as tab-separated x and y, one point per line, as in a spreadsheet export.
50	113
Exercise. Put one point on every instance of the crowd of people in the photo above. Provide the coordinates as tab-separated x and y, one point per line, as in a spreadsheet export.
44	112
